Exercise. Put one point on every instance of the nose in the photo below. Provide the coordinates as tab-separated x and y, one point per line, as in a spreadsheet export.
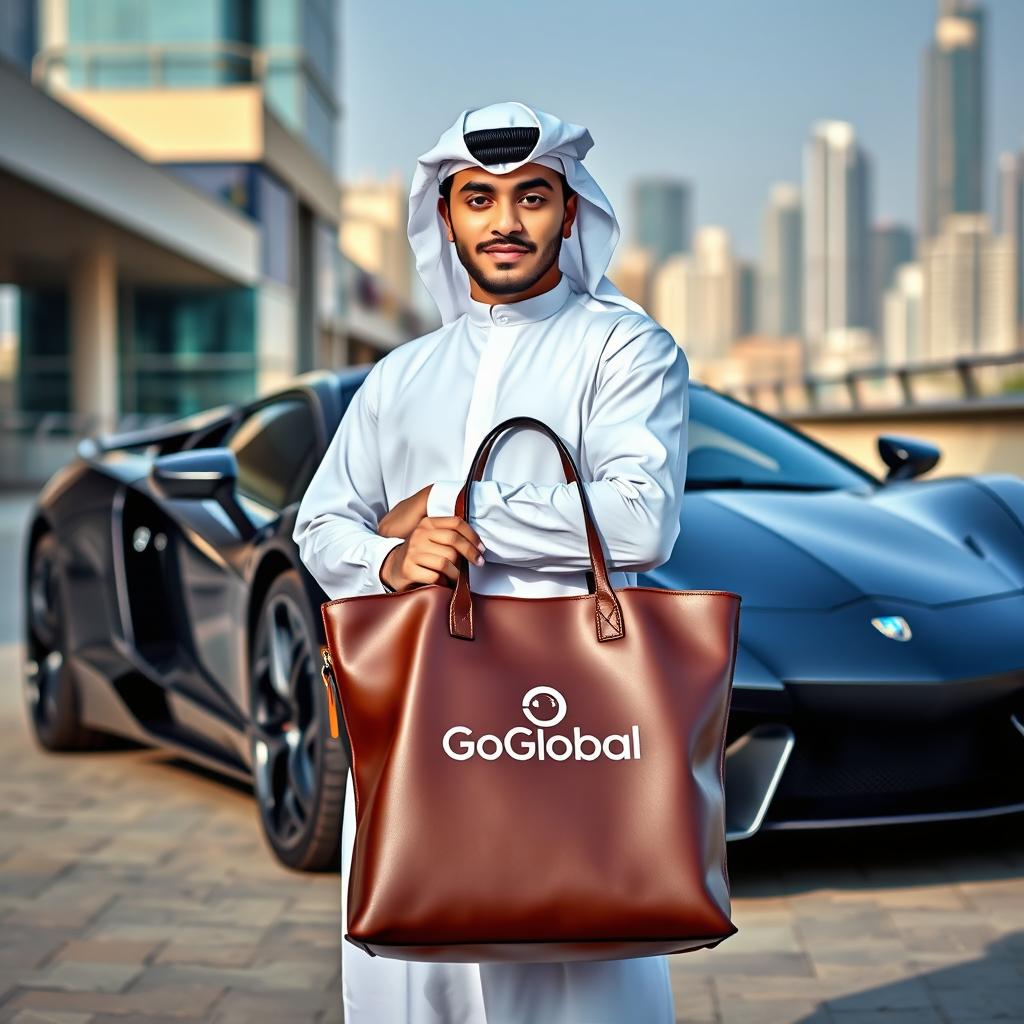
507	219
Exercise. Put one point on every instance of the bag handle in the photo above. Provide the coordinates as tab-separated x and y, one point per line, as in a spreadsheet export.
608	611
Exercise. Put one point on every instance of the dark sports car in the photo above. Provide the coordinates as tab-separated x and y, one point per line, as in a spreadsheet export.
880	675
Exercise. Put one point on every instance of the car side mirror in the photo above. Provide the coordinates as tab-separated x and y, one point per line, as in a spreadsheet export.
202	474
906	457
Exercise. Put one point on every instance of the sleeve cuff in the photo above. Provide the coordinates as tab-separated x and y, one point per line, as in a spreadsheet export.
441	497
386	545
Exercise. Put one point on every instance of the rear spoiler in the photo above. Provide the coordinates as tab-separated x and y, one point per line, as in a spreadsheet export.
100	444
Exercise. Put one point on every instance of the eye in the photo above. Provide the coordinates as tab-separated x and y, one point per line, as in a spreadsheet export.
471	200
534	195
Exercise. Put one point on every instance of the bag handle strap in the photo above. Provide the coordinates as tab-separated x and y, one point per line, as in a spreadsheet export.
607	610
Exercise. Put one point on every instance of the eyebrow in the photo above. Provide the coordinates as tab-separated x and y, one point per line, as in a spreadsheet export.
483	186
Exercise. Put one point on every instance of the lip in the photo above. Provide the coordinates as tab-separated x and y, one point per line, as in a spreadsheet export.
507	255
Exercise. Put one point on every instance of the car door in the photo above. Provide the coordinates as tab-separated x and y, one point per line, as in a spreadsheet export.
272	446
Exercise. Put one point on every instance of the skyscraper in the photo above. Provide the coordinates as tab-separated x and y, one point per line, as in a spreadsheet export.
661	217
837	258
892	245
1011	220
969	297
716	295
952	131
901	319
781	277
747	286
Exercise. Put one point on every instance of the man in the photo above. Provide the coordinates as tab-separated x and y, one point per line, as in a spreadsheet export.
512	238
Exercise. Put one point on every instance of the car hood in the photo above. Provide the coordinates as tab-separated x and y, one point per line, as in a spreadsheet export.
931	542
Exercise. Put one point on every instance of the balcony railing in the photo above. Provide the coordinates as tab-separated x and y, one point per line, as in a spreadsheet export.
965	382
170	65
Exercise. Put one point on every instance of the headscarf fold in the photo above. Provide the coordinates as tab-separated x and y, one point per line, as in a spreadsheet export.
584	256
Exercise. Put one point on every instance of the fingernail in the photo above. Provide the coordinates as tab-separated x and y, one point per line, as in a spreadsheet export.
480	545
479	559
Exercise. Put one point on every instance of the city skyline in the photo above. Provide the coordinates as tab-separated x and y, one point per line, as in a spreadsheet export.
730	172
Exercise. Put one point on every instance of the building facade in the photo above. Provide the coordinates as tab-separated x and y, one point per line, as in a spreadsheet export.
952	130
237	101
661	217
838	314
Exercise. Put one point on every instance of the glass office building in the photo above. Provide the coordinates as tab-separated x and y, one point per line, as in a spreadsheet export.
287	45
162	77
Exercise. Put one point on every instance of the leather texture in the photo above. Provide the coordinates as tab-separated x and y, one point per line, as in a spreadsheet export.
536	779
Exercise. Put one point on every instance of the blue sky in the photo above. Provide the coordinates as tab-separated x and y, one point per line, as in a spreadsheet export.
721	93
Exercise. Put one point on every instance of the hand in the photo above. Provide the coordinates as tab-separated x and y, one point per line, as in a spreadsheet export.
430	553
405	516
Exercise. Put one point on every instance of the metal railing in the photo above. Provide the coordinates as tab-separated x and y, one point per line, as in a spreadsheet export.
964	382
159	63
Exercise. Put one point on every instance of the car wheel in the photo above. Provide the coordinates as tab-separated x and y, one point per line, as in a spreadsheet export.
299	770
51	693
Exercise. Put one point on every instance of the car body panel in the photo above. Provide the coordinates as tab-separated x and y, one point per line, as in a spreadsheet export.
832	722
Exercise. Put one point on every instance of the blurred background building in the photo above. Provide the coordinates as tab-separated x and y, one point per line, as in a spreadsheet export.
169	189
177	234
832	291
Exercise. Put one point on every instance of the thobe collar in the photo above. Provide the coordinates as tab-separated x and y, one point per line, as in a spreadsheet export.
525	311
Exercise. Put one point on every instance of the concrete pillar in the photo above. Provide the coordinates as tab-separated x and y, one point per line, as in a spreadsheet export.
94	368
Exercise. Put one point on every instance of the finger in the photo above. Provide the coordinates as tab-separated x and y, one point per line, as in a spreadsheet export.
456	543
436	562
455	523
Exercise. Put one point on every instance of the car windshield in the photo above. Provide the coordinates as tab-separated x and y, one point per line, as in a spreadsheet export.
734	446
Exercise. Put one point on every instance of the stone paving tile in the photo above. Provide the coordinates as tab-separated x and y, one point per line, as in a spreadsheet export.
135	889
192	1003
252	1008
921	1016
50	1017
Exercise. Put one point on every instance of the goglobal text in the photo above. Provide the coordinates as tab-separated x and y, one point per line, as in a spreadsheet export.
543	706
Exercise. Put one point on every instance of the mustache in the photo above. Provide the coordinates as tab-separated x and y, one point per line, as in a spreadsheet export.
519	243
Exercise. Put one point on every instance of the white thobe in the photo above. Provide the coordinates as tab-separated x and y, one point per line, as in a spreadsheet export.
613	385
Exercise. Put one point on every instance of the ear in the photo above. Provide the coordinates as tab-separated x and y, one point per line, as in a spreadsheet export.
570	214
442	208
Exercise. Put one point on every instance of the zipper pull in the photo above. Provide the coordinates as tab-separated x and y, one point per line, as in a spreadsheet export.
327	675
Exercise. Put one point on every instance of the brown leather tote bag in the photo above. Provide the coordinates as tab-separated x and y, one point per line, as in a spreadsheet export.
536	779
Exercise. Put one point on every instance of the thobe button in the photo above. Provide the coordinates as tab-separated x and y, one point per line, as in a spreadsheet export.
503	319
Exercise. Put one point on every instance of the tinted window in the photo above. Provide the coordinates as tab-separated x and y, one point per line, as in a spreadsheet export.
275	448
731	445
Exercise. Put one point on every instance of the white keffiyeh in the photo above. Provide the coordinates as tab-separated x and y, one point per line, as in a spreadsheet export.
584	256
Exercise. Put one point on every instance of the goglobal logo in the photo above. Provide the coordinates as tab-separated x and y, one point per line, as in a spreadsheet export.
545	708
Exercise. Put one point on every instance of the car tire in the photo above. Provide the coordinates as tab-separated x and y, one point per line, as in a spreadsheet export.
299	770
51	690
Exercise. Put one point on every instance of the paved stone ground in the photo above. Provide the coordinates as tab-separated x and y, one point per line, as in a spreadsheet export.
136	888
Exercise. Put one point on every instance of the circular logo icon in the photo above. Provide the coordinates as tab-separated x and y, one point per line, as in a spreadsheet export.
544	705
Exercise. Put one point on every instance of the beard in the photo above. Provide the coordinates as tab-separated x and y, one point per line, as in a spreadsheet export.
508	283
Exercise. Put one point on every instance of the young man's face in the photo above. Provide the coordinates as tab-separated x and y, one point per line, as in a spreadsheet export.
508	228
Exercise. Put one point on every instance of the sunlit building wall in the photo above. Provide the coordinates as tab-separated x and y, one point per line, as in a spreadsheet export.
838	314
633	273
715	323
969	295
902	341
373	232
672	297
1011	222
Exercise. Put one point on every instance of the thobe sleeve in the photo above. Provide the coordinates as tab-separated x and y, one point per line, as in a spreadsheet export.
335	527
635	444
